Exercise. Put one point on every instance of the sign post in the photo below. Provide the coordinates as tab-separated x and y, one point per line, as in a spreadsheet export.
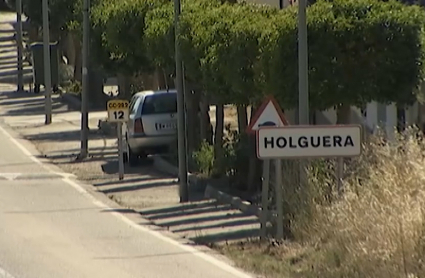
118	112
269	114
279	196
120	152
265	198
339	174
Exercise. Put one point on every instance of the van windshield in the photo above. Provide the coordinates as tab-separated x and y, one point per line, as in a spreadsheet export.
160	104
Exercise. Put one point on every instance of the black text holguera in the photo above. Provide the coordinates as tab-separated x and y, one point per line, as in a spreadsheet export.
326	141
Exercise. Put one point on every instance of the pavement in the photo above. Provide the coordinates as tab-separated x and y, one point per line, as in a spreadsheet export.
65	218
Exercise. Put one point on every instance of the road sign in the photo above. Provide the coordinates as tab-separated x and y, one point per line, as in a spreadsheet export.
118	110
268	114
309	141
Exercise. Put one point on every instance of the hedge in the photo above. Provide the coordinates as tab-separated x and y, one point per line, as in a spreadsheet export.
359	50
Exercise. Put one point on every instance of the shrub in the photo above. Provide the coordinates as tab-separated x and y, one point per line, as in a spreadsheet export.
378	228
359	50
204	159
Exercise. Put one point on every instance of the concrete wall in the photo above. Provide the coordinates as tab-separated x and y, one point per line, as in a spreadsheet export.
273	3
328	117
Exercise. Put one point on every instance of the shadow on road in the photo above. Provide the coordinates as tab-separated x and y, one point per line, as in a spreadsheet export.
153	182
73	135
205	223
183	253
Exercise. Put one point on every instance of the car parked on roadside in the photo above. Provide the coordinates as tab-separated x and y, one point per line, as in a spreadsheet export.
152	125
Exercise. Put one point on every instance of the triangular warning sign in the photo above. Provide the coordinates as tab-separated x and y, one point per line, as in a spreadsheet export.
268	114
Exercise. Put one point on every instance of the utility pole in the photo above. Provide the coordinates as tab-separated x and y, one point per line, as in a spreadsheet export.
19	43
303	105
84	94
303	102
181	133
47	70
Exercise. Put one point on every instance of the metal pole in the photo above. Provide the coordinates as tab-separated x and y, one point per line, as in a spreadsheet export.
20	45
265	198
84	94
47	71
183	188
339	174
279	196
120	152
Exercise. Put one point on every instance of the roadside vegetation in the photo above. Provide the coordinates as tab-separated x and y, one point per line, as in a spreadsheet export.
375	230
234	55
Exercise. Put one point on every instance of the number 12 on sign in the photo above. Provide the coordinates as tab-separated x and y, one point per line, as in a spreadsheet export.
119	115
118	111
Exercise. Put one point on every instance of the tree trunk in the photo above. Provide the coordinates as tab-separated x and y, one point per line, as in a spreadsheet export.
33	33
123	86
78	64
343	114
205	122
218	138
192	120
161	83
242	118
70	53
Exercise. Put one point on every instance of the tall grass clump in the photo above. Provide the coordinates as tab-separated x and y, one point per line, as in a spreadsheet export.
377	227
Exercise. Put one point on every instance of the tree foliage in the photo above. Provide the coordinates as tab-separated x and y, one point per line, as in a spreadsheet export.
61	12
359	50
122	26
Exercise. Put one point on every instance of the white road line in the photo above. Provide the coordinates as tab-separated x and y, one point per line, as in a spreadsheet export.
22	148
30	156
218	263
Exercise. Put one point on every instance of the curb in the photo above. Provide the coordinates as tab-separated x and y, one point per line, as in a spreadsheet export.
236	202
210	192
71	100
166	167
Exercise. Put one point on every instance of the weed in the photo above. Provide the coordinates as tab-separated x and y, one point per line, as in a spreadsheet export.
376	229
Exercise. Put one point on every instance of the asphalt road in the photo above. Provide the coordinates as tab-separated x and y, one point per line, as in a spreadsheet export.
53	227
50	226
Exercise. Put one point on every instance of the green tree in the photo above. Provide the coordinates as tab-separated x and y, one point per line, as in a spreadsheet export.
359	50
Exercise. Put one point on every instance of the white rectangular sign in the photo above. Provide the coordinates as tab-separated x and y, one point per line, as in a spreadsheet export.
309	141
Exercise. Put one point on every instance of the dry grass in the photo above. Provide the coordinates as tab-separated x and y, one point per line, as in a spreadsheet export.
376	230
